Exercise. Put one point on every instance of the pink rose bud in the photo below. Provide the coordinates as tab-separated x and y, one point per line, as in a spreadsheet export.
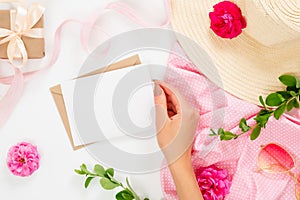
23	159
227	20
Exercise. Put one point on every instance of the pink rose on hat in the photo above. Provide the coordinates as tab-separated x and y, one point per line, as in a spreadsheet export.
227	20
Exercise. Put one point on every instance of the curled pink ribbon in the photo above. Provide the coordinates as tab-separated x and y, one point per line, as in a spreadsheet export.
21	25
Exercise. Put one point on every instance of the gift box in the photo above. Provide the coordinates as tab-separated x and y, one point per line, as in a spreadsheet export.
35	47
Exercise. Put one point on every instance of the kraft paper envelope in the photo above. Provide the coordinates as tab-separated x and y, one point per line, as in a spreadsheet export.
59	100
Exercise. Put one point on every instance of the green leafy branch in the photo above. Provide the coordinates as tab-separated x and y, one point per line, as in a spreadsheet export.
274	105
108	182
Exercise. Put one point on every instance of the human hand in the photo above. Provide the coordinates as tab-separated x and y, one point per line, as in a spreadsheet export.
176	123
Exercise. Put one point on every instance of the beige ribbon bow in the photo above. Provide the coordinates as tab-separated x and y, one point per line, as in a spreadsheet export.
22	26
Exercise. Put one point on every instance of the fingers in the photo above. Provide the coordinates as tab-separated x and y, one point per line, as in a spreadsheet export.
172	97
160	97
161	108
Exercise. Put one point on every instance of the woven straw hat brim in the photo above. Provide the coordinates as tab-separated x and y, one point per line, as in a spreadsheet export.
247	68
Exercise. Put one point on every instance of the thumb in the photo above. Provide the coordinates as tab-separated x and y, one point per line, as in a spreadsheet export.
161	109
160	96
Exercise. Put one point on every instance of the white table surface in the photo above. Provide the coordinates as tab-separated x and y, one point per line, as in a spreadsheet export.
35	119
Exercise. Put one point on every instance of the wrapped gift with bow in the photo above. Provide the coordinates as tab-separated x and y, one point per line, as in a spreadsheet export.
21	33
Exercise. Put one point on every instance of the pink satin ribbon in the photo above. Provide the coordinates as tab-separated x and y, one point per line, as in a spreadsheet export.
127	12
17	80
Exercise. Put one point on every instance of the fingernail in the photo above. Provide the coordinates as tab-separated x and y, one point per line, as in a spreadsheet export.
157	90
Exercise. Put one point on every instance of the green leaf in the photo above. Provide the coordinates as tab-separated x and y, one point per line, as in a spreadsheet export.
221	131
265	112
274	99
228	136
288	80
146	199
107	184
296	103
262	101
294	94
292	88
298	84
290	105
279	111
88	181
84	168
255	133
112	179
127	196
119	197
263	117
213	133
285	94
243	125
99	170
124	195
110	171
83	173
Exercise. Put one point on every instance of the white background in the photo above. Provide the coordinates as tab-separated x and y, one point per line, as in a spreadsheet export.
36	120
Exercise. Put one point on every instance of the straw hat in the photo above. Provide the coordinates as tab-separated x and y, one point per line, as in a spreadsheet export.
249	65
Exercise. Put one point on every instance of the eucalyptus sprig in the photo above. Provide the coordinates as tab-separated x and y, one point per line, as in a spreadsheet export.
108	182
274	105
